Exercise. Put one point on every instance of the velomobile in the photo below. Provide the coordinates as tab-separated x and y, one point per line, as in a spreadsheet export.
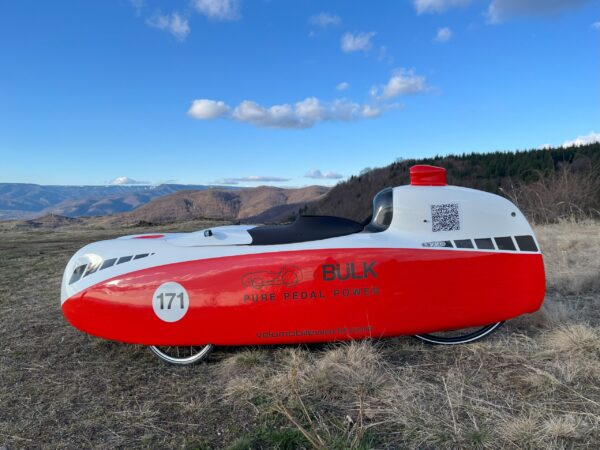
432	258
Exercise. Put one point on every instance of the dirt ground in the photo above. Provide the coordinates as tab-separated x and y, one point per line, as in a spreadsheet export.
533	384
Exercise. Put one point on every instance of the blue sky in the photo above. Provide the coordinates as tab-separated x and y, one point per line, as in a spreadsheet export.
285	92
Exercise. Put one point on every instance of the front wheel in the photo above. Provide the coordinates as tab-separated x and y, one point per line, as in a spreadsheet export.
462	336
180	355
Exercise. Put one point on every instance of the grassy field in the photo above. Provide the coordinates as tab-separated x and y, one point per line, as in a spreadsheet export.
533	384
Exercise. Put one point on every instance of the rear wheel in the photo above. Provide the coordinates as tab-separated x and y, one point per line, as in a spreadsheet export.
463	336
182	355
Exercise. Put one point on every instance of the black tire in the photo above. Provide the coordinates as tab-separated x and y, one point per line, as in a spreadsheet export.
469	335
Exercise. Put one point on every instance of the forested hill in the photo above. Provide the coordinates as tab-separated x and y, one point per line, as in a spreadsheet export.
547	184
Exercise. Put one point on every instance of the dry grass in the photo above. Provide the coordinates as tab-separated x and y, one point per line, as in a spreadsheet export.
534	384
571	255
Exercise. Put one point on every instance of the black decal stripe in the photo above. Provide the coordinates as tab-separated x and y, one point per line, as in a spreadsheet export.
108	263
505	243
463	243
526	243
143	255
124	259
484	244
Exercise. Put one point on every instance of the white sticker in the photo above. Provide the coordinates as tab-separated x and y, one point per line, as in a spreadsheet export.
170	302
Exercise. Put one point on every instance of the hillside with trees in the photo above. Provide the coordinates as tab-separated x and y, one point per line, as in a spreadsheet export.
546	184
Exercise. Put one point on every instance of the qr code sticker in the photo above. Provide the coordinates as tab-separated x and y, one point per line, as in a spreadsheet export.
445	217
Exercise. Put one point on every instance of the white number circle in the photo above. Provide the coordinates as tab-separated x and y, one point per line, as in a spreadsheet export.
170	302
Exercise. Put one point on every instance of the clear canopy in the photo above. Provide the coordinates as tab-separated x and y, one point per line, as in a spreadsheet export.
383	210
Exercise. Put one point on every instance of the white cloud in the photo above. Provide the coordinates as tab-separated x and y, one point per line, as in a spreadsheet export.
590	138
119	181
310	110
596	25
204	109
302	114
252	179
219	9
402	82
357	42
501	10
325	20
437	6
327	175
174	23
345	110
443	35
371	111
276	116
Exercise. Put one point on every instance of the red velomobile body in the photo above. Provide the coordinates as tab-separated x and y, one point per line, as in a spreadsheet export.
434	257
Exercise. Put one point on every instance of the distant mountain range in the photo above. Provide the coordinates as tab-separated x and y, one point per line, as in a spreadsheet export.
53	206
548	184
23	201
252	205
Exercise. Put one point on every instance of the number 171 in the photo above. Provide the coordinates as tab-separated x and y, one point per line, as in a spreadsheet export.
170	296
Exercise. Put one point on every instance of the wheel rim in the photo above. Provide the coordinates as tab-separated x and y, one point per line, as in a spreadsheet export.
463	336
182	355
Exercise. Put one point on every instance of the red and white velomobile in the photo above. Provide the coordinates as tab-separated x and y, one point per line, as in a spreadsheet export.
432	258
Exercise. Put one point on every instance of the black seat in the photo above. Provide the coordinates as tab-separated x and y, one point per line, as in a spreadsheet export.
305	228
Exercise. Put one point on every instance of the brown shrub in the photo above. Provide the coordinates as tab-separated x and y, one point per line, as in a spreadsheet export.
563	194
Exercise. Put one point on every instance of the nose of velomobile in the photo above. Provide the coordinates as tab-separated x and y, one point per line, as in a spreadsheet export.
75	270
83	268
73	284
97	263
103	260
